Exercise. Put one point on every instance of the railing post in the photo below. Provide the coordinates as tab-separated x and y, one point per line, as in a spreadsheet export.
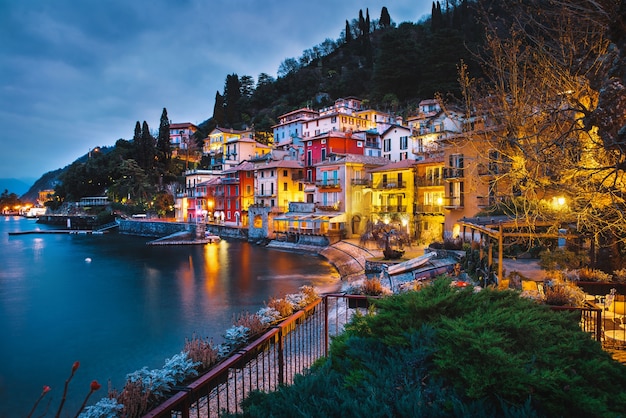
281	357
599	325
326	331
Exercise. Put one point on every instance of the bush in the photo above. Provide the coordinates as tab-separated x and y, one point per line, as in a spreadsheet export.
559	259
201	351
455	352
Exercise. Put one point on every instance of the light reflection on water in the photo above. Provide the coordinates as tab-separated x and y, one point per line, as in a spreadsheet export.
131	306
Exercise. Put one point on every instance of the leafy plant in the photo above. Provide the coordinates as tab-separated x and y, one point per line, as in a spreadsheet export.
445	351
201	351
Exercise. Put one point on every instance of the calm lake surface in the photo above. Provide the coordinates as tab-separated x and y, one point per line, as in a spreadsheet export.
132	306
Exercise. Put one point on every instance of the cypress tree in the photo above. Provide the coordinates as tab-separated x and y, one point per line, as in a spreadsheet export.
385	19
348	32
164	151
219	116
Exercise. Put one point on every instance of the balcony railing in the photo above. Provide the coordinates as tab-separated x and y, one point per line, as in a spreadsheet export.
391	185
230	180
429	181
389	208
453	202
433	209
329	207
361	182
328	184
452	173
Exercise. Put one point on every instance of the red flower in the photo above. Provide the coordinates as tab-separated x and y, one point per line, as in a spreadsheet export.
95	385
75	366
46	389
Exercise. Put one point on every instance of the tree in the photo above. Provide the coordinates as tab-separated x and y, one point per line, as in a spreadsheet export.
164	150
219	114
538	98
385	19
348	33
232	101
391	237
288	66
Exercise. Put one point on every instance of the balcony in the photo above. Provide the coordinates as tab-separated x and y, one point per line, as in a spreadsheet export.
328	184
361	182
454	202
451	173
329	207
230	180
391	185
429	209
389	208
429	181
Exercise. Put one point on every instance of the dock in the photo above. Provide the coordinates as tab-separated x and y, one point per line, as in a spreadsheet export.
55	231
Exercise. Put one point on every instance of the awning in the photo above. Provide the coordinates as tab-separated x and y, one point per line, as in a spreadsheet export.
338	218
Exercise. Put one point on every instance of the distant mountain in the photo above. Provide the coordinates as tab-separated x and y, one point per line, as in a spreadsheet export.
46	182
17	186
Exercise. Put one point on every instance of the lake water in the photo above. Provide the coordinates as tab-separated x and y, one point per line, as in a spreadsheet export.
131	306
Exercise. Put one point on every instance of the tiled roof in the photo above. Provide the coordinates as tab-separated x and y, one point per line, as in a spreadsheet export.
396	165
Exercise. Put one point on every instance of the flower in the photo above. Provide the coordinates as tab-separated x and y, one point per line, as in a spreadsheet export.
95	385
46	389
75	366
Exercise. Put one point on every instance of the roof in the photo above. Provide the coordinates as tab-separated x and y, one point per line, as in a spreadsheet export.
243	166
279	164
182	125
397	165
394	126
355	158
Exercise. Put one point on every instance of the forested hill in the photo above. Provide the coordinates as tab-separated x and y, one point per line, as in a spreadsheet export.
391	66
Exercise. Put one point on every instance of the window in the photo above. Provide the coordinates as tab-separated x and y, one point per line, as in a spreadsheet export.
404	142
404	156
285	173
333	119
359	144
323	141
300	187
386	144
323	154
285	187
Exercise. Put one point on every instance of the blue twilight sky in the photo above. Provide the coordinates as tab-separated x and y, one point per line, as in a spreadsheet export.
76	74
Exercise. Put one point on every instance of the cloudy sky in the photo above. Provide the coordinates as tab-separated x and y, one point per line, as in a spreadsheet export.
76	74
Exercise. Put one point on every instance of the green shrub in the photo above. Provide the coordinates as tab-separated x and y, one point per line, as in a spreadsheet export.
455	352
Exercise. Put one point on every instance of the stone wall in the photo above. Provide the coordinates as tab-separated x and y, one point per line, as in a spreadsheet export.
155	229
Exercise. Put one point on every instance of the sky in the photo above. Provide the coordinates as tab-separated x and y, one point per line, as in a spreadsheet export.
78	74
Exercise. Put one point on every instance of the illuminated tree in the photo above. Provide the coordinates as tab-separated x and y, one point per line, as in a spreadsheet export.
539	104
390	237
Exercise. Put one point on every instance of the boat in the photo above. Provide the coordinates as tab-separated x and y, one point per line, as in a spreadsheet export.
35	212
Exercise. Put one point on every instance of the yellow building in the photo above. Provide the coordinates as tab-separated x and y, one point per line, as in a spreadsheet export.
429	211
393	193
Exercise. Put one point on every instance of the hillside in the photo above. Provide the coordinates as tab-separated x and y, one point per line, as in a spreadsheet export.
390	67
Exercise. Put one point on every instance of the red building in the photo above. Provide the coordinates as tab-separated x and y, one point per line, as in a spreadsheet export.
320	147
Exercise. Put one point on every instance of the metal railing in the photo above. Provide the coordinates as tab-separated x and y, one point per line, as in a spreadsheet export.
273	359
286	350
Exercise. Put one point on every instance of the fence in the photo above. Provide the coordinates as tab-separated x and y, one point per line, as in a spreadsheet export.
273	359
285	350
